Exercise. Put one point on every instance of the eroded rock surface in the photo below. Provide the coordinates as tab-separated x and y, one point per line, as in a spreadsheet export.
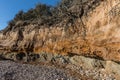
94	33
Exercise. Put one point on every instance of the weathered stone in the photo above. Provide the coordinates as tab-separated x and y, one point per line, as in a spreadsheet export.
89	28
95	34
43	57
61	59
32	57
87	62
113	67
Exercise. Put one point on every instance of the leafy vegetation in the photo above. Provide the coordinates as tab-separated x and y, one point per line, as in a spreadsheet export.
45	14
42	14
40	11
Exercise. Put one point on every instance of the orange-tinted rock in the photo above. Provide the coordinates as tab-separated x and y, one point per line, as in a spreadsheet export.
95	35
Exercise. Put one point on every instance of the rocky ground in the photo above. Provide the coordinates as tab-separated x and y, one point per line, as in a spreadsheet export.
14	71
52	70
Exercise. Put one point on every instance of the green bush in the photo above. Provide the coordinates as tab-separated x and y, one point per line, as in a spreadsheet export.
50	15
19	16
40	11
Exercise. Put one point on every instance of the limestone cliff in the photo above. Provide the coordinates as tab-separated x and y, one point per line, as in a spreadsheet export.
94	32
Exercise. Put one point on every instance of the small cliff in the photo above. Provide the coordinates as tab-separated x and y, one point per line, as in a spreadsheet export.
82	32
89	28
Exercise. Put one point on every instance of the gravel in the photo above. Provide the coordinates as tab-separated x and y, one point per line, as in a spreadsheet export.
10	70
15	71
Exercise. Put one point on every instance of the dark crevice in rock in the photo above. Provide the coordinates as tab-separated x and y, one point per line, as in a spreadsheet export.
20	56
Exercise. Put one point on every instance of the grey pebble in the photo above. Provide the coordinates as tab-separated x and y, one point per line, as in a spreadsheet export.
16	71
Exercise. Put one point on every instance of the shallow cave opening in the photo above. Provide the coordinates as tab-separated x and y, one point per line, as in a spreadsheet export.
20	56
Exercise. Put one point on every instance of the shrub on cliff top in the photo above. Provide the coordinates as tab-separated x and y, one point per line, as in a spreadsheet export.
46	15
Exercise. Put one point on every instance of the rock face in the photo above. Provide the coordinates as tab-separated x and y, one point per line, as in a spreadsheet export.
95	33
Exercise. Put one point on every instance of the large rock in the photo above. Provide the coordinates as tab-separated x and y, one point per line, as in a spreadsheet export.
87	62
112	67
